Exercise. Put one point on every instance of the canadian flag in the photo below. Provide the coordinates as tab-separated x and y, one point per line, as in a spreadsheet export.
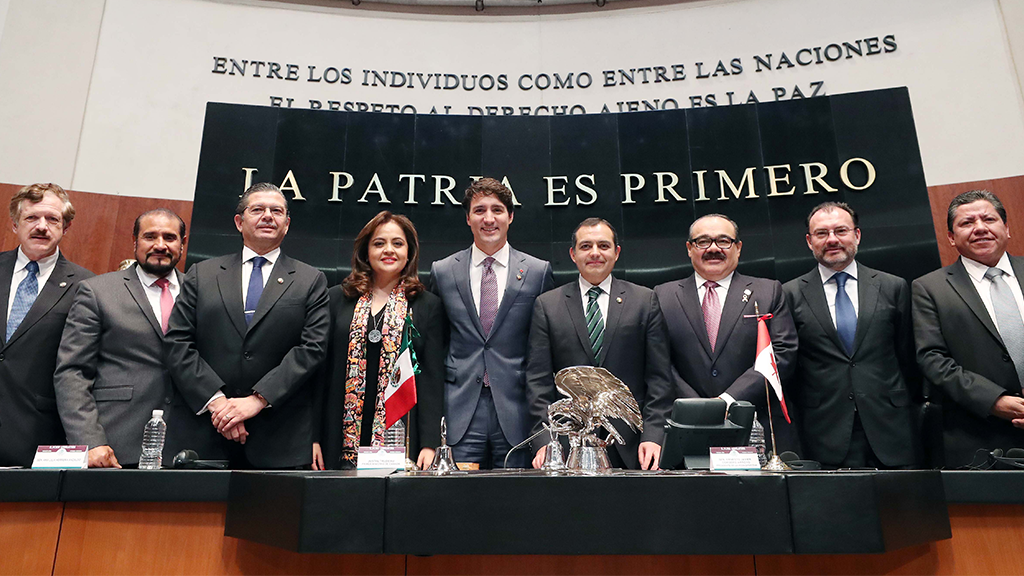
765	364
400	395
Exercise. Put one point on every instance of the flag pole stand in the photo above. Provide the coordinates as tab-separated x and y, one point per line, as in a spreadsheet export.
774	464
409	464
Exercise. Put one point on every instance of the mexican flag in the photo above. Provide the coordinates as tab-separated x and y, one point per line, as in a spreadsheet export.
765	364
400	395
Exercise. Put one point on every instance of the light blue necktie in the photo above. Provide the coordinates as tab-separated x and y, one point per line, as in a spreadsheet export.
23	298
252	296
846	317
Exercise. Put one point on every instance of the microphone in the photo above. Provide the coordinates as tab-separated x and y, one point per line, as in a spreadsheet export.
792	459
189	460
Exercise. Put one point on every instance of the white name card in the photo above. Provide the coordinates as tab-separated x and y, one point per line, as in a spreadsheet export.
735	458
59	457
381	457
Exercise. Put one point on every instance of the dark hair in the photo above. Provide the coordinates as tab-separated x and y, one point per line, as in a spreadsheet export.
735	226
34	193
830	206
973	196
166	212
595	221
488	187
360	280
243	201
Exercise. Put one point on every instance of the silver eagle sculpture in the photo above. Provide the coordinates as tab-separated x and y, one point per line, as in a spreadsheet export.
594	397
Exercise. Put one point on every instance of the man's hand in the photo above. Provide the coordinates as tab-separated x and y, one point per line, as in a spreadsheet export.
236	433
318	457
1010	408
650	454
234	411
103	457
425	459
538	460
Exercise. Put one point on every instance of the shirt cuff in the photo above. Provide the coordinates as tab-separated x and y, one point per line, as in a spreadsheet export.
729	400
206	407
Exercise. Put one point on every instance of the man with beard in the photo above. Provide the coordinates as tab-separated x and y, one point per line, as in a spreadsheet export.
37	285
110	371
969	333
247	334
712	328
856	373
599	320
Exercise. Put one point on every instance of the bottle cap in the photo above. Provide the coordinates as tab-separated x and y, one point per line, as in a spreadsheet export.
158	413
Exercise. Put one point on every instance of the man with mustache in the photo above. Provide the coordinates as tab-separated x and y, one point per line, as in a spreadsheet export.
110	370
246	335
713	332
856	373
599	320
37	286
969	333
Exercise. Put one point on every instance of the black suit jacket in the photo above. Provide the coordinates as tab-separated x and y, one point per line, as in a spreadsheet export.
425	417
960	352
28	408
209	348
702	373
878	380
635	350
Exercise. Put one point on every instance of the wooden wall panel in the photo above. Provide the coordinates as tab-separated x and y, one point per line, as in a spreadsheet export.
736	564
28	535
184	538
1009	190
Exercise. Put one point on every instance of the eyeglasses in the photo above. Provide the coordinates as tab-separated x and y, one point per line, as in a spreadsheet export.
705	242
259	209
842	232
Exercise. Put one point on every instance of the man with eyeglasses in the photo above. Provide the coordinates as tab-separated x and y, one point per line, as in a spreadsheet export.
247	333
856	375
712	326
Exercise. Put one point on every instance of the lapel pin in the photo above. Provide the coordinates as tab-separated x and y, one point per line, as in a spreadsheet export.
746	296
280	280
619	300
63	284
520	275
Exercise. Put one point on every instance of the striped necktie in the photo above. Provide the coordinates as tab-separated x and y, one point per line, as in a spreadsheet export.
595	323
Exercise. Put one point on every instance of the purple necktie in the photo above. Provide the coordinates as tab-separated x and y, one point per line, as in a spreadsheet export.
712	312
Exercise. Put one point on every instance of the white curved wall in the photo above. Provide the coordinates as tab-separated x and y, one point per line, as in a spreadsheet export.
113	101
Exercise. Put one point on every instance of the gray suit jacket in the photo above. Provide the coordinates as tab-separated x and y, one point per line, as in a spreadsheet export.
110	373
960	351
502	352
878	380
635	350
28	409
730	368
210	348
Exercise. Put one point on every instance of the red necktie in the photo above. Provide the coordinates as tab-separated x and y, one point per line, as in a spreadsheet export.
166	301
712	309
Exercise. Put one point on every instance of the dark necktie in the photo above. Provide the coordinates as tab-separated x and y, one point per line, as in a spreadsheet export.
595	323
846	317
1008	320
23	298
712	308
488	303
252	296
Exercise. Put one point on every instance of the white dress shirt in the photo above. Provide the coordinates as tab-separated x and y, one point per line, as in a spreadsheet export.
247	255
831	288
46	266
602	300
153	292
722	290
976	270
476	272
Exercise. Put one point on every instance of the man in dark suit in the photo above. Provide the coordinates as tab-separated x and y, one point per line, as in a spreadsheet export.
110	367
246	335
970	338
488	292
856	372
599	320
713	332
37	285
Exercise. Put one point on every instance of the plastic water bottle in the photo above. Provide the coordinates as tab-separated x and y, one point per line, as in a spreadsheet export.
153	442
395	436
757	441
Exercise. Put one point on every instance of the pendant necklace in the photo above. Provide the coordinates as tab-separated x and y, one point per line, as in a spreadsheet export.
375	336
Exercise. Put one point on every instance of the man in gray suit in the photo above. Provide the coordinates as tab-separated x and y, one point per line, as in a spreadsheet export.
488	292
969	333
599	320
247	333
110	370
713	332
856	373
37	285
